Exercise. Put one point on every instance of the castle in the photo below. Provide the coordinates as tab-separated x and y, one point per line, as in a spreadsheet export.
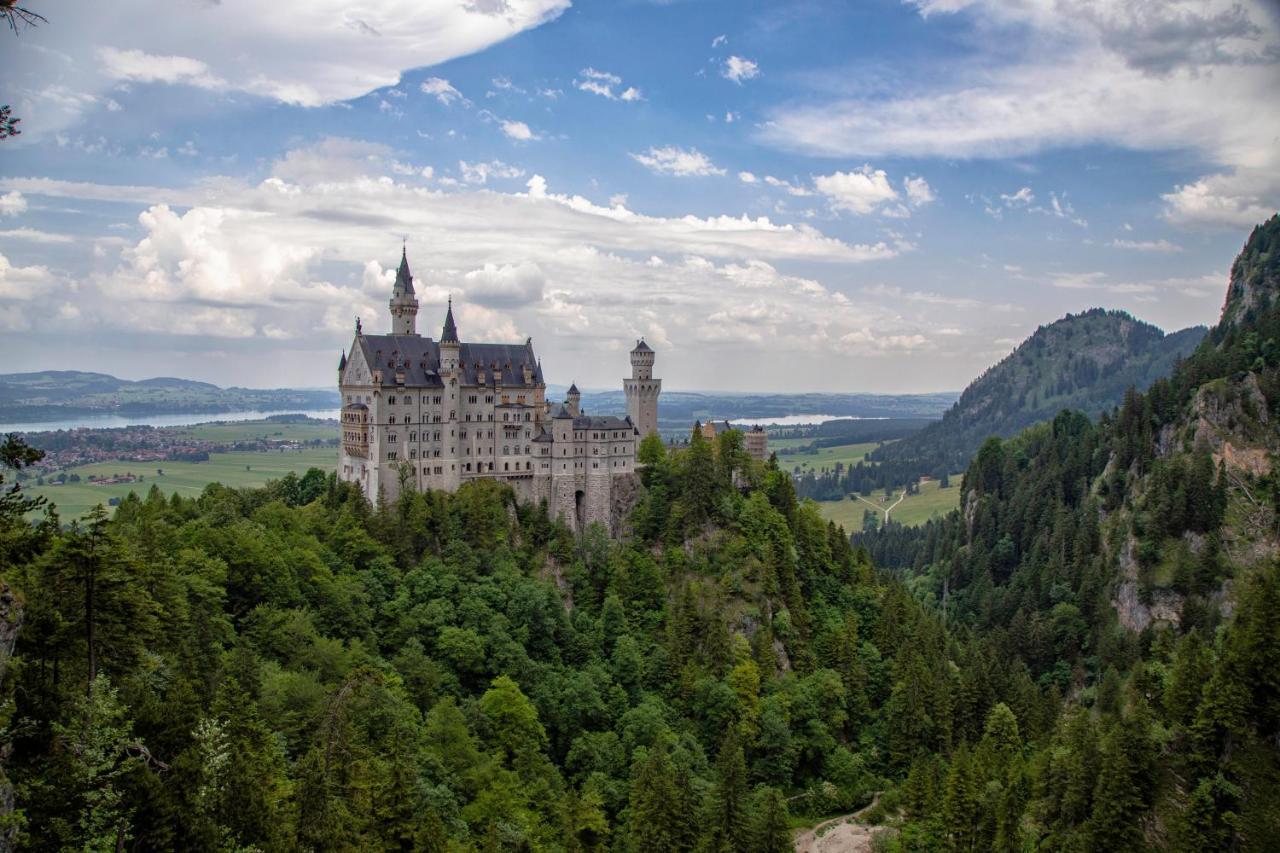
425	414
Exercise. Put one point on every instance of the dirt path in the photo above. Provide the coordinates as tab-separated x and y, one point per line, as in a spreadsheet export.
839	835
885	510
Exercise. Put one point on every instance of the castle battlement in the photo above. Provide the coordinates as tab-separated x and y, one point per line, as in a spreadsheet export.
432	414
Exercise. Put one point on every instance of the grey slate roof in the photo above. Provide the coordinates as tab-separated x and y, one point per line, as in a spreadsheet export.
450	333
543	436
404	279
419	358
641	346
601	422
573	389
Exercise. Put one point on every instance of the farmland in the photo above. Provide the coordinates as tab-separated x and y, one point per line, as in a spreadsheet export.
185	478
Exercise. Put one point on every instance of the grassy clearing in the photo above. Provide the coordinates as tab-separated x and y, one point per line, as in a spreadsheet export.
932	502
252	430
826	457
186	478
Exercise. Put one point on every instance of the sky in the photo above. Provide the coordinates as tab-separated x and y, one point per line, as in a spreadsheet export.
795	196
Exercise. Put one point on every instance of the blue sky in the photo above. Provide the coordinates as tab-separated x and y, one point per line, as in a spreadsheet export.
828	196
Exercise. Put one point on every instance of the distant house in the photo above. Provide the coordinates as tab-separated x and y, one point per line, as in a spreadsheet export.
755	440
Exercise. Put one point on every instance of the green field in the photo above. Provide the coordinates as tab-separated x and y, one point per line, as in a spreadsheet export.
930	503
252	430
186	478
824	457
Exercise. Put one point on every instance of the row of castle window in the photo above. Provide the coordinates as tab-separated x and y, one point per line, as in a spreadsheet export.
407	399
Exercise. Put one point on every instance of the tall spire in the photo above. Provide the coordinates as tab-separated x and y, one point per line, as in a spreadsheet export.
404	279
404	303
450	333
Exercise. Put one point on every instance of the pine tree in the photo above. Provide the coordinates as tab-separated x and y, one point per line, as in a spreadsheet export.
728	822
770	831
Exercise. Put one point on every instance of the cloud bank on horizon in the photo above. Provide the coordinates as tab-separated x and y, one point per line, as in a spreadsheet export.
797	197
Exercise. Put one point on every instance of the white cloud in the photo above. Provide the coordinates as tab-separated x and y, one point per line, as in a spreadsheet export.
747	177
1178	75
12	203
603	83
719	40
480	173
1022	198
919	193
306	52
34	236
136	66
737	69
672	160
442	90
790	188
1146	245
861	191
1238	199
518	131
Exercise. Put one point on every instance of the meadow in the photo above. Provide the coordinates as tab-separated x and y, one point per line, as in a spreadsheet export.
823	457
188	479
931	502
310	430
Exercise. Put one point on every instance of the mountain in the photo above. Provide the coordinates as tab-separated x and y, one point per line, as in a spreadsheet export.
1130	563
57	394
1083	362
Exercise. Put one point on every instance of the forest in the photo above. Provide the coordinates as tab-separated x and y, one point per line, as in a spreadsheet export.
290	668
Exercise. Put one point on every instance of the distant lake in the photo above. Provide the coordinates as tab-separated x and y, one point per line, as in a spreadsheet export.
108	421
795	420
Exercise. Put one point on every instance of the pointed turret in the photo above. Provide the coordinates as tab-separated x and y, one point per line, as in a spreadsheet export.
450	333
342	362
574	400
404	303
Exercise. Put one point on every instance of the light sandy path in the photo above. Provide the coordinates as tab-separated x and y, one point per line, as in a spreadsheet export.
839	835
885	510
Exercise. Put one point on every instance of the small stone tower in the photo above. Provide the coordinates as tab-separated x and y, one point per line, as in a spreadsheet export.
574	400
642	390
404	303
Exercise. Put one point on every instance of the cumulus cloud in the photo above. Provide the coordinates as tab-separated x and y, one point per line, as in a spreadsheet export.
12	203
737	69
859	191
295	256
1179	75
518	131
606	85
480	173
919	193
673	160
442	90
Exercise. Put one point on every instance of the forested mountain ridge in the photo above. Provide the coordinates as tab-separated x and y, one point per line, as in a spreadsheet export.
1082	362
1132	563
54	394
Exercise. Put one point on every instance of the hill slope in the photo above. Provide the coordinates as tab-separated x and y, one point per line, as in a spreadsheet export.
1083	362
54	394
1131	564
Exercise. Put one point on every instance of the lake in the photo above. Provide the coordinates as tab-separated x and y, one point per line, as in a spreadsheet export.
793	420
109	421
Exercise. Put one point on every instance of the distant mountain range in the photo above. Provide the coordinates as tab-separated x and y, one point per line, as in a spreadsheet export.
679	409
1083	361
65	394
59	394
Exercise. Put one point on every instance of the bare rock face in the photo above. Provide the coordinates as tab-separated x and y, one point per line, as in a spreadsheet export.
1131	610
625	494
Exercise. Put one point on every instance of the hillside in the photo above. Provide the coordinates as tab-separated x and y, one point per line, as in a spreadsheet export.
1131	564
1084	362
56	394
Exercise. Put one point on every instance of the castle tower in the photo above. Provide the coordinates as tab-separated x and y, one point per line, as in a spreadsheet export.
450	346
404	302
642	390
574	400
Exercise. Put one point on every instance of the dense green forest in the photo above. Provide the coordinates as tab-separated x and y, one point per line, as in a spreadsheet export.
1083	362
289	668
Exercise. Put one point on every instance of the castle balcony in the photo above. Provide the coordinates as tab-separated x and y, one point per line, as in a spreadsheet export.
355	430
